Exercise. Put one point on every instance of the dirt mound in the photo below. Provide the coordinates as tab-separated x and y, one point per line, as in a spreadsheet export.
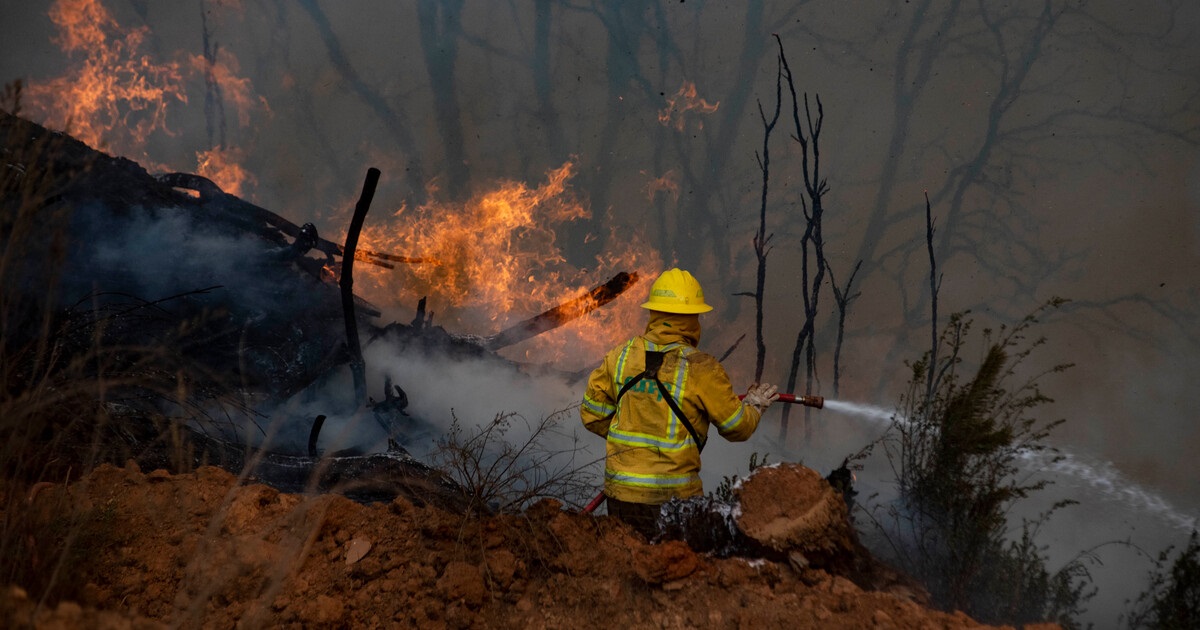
791	509
200	550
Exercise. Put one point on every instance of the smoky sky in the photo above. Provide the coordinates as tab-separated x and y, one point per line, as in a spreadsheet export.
1057	143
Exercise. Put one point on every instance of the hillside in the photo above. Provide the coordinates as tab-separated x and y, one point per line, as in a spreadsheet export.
200	550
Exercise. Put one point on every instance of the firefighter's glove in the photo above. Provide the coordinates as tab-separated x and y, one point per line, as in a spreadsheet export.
761	395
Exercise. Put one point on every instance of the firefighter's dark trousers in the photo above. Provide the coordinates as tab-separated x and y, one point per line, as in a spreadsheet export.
642	516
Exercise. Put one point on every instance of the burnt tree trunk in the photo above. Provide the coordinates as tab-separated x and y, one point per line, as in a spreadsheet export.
357	365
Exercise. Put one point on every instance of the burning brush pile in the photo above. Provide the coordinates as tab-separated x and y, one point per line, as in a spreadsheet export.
157	323
222	333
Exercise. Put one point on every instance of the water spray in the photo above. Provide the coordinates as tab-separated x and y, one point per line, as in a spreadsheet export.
1101	476
867	412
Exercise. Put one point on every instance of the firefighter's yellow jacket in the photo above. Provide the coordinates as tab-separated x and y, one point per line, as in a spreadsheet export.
651	456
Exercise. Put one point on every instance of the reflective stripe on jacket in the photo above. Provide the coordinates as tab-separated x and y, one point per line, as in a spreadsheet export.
651	456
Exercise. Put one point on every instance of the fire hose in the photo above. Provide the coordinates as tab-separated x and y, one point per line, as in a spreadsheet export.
817	402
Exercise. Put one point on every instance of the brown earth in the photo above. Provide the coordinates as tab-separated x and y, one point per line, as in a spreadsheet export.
789	507
201	550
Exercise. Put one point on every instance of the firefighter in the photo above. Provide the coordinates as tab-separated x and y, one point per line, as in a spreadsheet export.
654	398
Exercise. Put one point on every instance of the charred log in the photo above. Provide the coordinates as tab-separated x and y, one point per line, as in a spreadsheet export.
376	258
270	225
563	313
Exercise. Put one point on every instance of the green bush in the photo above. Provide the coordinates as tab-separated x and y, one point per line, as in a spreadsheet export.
955	451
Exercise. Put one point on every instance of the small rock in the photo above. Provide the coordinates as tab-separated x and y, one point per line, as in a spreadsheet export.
881	618
798	561
356	549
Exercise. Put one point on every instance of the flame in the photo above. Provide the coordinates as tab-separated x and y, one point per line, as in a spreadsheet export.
115	97
684	101
224	168
224	71
490	262
498	261
115	94
668	184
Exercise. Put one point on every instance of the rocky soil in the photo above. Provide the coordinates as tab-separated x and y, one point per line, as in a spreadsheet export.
202	550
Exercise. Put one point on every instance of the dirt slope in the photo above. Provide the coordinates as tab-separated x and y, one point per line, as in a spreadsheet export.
200	550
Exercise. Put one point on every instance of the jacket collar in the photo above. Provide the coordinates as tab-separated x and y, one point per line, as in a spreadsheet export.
667	328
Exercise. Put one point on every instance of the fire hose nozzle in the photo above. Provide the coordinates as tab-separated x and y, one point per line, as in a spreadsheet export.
812	401
808	401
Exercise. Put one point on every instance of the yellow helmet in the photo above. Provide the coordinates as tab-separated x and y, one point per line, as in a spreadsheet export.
676	291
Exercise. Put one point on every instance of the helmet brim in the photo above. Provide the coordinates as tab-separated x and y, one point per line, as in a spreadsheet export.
678	309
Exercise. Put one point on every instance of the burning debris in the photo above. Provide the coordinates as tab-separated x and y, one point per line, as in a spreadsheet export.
261	321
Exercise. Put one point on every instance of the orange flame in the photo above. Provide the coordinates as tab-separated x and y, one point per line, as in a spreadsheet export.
115	95
223	167
499	261
684	101
234	88
667	184
498	258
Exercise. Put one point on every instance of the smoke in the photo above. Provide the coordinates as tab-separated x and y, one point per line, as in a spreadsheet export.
155	253
472	392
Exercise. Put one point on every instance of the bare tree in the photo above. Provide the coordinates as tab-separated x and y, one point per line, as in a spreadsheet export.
812	243
214	99
842	297
1030	105
935	282
761	238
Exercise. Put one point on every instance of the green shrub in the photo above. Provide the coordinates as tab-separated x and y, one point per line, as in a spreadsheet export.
955	451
